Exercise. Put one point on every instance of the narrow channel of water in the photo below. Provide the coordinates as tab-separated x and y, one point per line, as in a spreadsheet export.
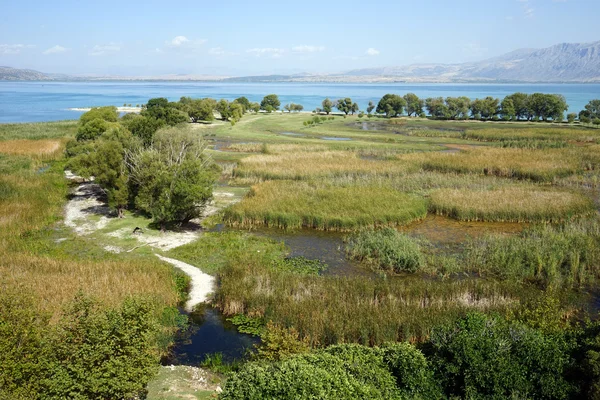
208	333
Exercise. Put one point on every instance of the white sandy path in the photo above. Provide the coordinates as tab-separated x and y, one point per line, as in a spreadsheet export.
201	285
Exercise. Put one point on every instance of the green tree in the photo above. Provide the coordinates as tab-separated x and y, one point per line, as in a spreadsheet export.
520	103
436	107
143	128
244	102
571	117
270	102
173	178
370	107
201	110
298	107
327	106
354	108
92	129
255	107
458	107
414	105
593	108
508	108
344	105
391	105
223	109
108	114
160	108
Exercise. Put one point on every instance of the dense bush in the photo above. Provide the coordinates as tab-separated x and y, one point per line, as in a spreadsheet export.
481	357
91	353
386	249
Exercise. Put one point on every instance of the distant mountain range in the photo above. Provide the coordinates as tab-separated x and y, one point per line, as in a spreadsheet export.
566	62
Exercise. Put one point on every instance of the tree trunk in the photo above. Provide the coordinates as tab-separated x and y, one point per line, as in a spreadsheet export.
120	211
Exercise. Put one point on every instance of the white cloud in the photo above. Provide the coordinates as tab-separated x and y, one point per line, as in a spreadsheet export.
308	49
13	48
372	52
527	8
99	50
55	50
266	51
179	41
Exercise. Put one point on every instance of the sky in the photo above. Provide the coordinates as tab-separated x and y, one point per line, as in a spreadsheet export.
147	37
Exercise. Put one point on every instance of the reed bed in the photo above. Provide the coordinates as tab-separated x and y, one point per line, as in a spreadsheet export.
38	130
30	147
246	147
303	165
288	204
329	310
537	165
511	204
566	256
536	134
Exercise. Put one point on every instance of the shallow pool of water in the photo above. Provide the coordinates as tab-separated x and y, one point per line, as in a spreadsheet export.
292	134
208	333
337	139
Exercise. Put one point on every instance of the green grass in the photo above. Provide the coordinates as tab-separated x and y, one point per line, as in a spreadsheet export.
386	249
563	256
213	251
38	130
290	205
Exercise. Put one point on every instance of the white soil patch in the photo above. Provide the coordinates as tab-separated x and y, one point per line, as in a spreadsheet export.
82	206
165	241
201	283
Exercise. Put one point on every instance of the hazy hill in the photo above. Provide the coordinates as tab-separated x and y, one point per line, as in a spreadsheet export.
14	74
567	62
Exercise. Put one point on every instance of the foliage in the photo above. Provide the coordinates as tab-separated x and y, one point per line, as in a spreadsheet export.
103	353
345	105
161	109
391	105
302	265
327	105
250	325
92	130
173	180
386	249
278	342
143	128
270	102
481	357
414	105
107	114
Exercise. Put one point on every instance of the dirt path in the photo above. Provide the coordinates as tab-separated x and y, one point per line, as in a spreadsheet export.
201	285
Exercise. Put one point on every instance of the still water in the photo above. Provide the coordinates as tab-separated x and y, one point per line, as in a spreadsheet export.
50	101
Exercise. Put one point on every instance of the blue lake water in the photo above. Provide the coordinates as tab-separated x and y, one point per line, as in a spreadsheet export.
50	101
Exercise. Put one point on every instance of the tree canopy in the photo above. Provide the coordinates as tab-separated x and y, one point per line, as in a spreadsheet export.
270	103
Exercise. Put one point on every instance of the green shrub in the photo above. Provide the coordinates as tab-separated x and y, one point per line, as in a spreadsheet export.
386	249
106	354
413	373
302	265
278	342
482	357
351	372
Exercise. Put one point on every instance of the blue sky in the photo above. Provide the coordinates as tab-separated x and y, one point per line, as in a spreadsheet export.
145	37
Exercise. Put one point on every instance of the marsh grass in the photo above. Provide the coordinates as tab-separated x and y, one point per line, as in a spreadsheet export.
511	204
38	130
303	165
386	249
329	310
289	205
551	134
537	165
565	256
43	147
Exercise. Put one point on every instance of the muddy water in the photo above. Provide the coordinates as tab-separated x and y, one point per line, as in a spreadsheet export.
208	333
446	232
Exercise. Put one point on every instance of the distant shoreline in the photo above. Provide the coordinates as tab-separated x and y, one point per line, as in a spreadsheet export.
136	110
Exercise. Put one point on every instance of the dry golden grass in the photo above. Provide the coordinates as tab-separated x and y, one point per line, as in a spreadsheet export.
54	282
30	147
538	165
511	204
31	204
303	165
